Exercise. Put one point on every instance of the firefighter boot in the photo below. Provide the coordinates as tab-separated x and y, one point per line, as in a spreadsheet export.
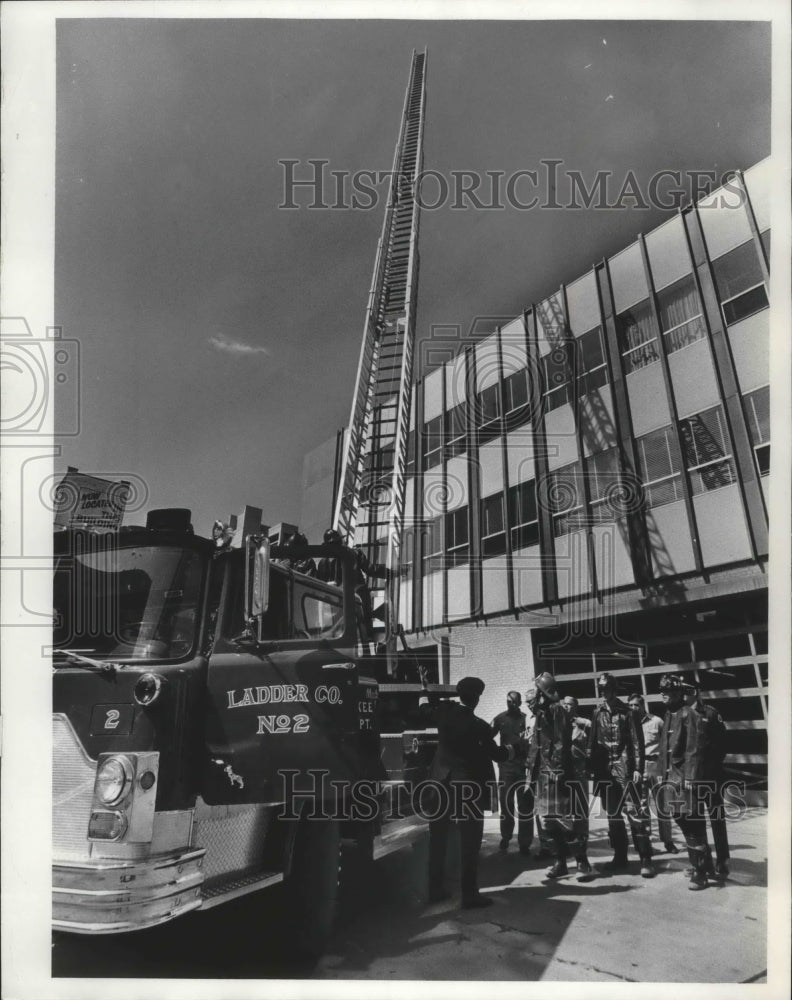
618	837
701	863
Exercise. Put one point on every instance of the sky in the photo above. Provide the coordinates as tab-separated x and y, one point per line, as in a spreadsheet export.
219	334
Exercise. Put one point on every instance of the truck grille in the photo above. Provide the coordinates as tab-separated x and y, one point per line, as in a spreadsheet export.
73	774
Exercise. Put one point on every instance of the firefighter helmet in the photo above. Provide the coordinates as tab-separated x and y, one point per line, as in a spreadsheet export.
332	537
547	685
671	682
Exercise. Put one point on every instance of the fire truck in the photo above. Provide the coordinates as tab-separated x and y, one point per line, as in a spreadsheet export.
216	724
215	730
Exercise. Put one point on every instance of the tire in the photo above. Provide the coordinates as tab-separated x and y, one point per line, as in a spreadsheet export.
357	859
311	889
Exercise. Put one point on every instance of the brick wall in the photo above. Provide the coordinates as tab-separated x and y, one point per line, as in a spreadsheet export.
500	654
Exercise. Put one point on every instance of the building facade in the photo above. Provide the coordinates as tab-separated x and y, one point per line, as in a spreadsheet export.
587	486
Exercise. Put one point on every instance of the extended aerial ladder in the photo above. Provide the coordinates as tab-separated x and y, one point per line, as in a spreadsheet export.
369	509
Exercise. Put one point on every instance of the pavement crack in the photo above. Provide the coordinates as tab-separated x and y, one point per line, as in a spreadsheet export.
594	968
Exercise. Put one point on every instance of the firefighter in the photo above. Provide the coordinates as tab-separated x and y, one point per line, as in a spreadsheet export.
462	764
329	570
552	741
616	761
510	727
531	771
678	795
651	726
704	763
305	566
580	798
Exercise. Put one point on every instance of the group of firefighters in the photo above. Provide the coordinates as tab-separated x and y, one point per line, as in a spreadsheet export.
547	758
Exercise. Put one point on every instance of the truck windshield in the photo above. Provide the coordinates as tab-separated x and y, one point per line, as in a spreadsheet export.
135	602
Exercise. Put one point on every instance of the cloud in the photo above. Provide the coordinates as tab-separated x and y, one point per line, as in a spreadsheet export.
220	342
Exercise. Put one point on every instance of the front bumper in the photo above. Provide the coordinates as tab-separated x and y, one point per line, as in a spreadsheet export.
109	897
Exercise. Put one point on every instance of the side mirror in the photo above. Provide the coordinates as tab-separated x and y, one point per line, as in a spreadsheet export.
257	581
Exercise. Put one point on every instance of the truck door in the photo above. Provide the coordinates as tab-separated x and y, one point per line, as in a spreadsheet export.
282	712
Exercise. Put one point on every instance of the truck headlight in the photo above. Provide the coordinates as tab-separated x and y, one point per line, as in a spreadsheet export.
114	780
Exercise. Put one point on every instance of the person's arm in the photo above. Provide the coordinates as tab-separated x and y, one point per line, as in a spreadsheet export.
680	745
378	570
638	752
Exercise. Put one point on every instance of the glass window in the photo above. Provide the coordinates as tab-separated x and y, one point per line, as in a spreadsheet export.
565	499
740	283
455	421
757	412
516	390
128	601
433	442
410	462
493	530
604	479
660	467
457	548
433	545
523	515
706	450
557	373
637	333
488	404
681	318
277	620
592	371
322	616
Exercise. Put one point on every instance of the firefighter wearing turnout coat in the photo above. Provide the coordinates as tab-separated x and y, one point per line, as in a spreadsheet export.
704	765
550	766
682	756
616	760
464	779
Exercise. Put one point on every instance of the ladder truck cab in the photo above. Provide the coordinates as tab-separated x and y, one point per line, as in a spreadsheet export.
215	729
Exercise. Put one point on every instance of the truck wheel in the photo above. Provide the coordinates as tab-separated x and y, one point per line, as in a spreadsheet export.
311	889
357	858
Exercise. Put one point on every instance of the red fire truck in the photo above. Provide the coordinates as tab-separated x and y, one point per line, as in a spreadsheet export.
215	730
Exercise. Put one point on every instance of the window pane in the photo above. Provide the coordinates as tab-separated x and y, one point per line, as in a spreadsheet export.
493	545
680	314
489	404
590	350
492	515
763	459
525	535
659	466
757	408
432	442
516	390
703	437
557	376
637	334
745	305
737	271
522	501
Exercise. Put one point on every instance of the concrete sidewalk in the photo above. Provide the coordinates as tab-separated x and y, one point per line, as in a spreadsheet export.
614	928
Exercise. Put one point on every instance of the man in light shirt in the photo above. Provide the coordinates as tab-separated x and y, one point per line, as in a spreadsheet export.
652	726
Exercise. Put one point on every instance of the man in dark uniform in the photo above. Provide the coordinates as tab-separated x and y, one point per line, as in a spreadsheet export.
580	794
551	765
704	764
510	726
329	570
678	794
616	759
462	765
